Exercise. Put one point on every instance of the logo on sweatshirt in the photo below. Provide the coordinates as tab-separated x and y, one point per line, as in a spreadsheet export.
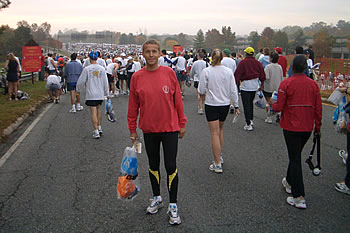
166	89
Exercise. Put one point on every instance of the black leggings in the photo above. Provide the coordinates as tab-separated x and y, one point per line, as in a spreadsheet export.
247	100
295	142
170	143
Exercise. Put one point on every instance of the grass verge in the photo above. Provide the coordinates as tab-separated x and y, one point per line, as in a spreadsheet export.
11	110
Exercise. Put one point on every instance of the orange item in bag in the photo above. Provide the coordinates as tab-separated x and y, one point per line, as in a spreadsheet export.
125	187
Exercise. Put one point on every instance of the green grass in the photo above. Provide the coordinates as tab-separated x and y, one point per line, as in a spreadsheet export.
11	110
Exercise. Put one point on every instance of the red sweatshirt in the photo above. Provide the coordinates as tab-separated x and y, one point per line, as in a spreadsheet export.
157	97
299	100
282	61
248	69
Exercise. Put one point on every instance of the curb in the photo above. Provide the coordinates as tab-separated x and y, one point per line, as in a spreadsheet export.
14	126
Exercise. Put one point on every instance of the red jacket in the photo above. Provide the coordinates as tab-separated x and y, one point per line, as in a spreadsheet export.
282	61
248	69
157	97
299	100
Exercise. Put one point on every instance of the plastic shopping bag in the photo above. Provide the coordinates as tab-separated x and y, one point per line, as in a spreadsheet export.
109	111
260	101
128	182
340	117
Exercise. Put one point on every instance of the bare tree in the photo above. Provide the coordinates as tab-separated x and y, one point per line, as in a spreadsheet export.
4	3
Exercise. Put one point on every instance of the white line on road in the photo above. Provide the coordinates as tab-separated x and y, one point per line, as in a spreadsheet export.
23	136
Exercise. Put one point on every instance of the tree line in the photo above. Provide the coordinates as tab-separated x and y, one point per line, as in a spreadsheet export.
323	35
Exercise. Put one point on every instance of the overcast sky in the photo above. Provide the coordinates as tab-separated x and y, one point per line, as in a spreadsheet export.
175	16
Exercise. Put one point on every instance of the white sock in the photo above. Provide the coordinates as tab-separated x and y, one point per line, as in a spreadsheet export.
78	105
99	127
73	106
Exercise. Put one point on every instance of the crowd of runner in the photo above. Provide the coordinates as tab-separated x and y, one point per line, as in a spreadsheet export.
151	75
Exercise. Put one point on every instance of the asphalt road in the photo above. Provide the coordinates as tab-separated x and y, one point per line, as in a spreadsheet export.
59	179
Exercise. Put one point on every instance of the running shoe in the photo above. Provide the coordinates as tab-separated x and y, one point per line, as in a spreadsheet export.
298	202
80	108
268	120
215	168
343	155
96	135
200	111
248	127
251	123
156	204
73	110
100	131
342	187
174	218
286	185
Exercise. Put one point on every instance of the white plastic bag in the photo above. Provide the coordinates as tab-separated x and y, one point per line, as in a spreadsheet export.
128	182
260	100
336	97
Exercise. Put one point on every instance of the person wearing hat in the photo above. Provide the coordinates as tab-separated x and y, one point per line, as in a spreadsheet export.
231	64
94	79
249	72
282	60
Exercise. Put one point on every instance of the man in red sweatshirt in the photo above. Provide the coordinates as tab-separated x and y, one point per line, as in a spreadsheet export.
155	97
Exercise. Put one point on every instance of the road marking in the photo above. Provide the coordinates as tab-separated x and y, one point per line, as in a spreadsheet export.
23	136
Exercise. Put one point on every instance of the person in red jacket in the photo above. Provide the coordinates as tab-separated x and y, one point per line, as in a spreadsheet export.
282	60
155	97
299	101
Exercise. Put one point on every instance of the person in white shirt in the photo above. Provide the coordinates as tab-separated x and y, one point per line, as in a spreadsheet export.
111	74
217	86
181	71
94	79
196	69
108	60
53	86
101	61
122	76
231	64
164	60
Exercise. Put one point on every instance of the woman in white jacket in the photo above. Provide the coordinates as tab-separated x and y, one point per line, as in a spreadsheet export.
217	86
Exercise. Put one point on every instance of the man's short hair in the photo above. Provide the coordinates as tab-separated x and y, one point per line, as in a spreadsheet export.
164	51
274	57
299	64
152	41
299	50
73	56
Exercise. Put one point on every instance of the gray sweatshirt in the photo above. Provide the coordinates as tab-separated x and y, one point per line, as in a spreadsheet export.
94	78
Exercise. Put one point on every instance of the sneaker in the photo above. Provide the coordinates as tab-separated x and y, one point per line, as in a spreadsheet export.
174	218
156	204
268	120
251	123
248	127
343	155
232	109
298	202
79	108
96	135
342	187
215	168
73	110
221	160
200	111
286	185
100	131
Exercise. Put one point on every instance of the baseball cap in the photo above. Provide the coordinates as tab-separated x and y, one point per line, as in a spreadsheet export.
93	55
278	49
123	54
249	50
226	52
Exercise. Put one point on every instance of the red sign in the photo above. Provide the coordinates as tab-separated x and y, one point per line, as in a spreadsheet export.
31	61
177	48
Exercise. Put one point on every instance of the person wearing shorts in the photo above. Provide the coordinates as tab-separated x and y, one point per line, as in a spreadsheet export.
94	78
53	86
217	86
196	69
181	71
71	73
274	76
